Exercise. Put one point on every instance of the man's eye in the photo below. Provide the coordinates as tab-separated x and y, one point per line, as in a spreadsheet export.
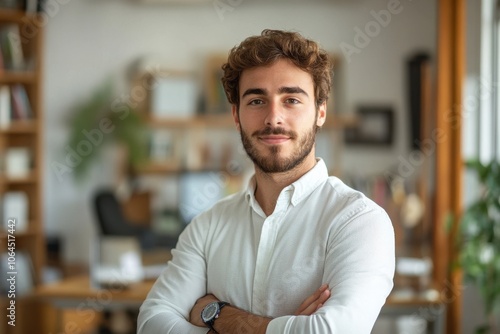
256	102
292	101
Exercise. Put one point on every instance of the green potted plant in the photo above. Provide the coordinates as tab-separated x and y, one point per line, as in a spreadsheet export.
103	119
480	243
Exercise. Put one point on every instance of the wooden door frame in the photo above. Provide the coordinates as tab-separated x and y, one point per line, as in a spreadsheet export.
449	161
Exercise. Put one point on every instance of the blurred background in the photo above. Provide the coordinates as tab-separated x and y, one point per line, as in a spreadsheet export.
114	124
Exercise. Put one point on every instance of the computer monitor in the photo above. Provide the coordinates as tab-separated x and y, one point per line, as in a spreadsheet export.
198	191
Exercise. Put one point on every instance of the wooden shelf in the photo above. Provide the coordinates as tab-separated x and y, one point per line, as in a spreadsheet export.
15	77
30	233
26	133
333	126
12	15
158	168
29	179
226	121
21	127
212	121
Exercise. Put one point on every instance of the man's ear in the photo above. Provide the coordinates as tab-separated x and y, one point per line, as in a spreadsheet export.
321	114
236	118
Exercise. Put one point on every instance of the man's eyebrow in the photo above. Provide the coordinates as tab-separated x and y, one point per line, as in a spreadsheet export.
281	90
292	90
254	91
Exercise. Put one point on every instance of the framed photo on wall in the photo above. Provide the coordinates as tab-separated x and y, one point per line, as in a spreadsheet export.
375	126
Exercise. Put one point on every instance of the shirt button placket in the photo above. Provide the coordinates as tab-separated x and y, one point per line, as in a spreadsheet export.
264	254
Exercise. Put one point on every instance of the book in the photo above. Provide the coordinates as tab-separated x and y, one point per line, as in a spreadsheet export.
10	41
15	207
5	107
21	106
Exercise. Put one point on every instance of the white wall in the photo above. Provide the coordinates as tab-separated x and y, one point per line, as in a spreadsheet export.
89	40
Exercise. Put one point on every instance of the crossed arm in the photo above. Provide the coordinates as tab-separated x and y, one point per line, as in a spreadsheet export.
233	320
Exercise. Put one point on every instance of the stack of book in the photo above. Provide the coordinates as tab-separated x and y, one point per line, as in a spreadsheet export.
14	101
12	57
14	104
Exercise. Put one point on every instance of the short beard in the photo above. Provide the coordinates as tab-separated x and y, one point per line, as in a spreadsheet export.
273	164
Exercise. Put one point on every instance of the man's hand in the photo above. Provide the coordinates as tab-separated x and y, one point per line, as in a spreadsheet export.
314	302
195	315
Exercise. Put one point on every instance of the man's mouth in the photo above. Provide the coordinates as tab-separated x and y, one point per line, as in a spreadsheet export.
274	139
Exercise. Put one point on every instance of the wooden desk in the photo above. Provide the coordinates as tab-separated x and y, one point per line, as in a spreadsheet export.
77	293
79	307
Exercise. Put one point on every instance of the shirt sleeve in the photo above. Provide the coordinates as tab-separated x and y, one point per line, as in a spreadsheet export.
359	269
170	300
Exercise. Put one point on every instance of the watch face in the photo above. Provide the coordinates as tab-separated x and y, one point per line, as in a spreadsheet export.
210	311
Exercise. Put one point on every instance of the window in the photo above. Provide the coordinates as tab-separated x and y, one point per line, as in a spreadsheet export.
489	118
496	81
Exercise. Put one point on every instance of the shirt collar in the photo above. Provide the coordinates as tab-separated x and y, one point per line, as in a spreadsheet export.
309	182
300	189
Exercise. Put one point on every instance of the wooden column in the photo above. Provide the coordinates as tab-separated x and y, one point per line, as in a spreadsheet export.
449	164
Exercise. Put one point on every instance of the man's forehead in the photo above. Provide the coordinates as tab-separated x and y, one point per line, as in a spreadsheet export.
283	78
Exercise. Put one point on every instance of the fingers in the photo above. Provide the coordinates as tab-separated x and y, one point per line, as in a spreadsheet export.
315	301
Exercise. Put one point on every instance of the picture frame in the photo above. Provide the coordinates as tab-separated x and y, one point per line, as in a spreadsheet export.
215	96
165	148
336	103
375	127
175	95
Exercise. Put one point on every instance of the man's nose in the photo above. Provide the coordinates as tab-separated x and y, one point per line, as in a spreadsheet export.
274	115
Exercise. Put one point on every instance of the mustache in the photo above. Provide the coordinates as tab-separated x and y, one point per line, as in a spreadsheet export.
275	131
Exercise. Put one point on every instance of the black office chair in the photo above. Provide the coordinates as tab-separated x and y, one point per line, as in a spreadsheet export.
113	222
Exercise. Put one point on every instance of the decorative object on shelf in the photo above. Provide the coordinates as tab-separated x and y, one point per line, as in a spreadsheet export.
375	126
215	98
102	119
17	162
24	274
165	148
175	95
15	207
479	247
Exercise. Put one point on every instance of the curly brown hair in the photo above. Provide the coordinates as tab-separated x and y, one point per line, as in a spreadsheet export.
271	46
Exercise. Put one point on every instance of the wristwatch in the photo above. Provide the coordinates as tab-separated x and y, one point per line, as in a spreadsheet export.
211	312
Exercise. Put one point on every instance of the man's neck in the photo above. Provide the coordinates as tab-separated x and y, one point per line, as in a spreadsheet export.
269	185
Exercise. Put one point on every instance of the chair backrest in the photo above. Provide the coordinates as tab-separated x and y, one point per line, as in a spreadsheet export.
110	215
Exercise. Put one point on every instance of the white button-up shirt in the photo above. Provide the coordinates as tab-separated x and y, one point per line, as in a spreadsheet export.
321	231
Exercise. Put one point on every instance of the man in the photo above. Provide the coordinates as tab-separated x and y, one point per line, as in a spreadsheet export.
297	251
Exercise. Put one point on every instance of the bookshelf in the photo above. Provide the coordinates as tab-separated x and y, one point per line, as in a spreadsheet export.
21	114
